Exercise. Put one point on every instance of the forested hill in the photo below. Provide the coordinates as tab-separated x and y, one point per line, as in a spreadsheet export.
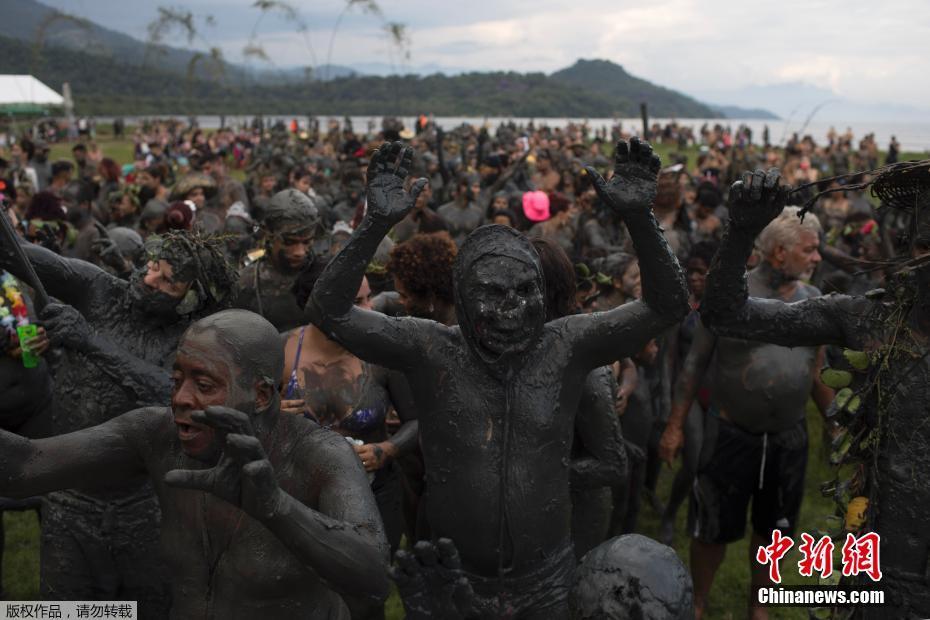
102	84
613	82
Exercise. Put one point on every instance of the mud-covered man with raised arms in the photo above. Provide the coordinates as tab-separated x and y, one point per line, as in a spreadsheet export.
893	329
263	515
497	394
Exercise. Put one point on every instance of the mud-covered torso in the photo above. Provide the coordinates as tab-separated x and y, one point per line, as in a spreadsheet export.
267	291
222	562
84	394
497	453
763	387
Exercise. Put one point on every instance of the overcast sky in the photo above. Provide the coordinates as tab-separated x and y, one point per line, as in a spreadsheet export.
869	52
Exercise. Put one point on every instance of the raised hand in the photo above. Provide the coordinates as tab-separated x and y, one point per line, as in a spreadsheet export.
243	476
757	199
109	253
65	326
387	171
632	189
431	582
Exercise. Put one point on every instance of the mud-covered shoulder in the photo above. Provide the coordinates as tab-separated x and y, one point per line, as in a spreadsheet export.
147	429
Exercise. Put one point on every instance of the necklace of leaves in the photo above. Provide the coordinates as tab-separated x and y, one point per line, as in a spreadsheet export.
873	378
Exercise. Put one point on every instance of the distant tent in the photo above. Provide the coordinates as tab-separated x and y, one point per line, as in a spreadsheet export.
25	95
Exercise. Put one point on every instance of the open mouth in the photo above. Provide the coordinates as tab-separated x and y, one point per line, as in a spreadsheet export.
187	432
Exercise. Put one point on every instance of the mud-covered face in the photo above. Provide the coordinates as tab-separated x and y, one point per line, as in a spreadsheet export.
159	276
504	303
204	375
155	291
290	250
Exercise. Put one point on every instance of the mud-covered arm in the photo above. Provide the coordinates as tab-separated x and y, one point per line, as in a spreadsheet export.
68	279
726	308
502	180
604	462
692	372
103	455
342	541
689	378
407	436
601	338
372	336
148	383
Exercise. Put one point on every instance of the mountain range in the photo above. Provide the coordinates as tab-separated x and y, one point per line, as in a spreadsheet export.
113	73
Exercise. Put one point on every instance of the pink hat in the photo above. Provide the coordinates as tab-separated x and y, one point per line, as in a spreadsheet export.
536	206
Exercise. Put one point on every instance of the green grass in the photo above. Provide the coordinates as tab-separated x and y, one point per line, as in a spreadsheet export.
728	598
21	555
729	595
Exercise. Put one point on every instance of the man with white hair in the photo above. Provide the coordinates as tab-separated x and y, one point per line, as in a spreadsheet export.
756	439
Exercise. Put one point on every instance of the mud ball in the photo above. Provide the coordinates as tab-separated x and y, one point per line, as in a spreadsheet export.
631	577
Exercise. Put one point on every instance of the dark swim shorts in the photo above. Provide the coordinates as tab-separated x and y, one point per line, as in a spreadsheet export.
729	477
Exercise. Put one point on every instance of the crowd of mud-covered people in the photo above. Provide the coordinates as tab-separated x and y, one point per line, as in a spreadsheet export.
264	371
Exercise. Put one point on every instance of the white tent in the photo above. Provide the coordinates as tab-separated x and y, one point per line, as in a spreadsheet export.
23	92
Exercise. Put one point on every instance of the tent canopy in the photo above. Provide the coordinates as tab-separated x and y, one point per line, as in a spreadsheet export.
23	94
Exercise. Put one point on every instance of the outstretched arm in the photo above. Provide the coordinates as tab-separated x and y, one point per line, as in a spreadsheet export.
602	338
103	455
388	341
755	201
146	382
68	279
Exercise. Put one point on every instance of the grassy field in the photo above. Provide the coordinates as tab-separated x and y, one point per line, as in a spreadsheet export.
728	597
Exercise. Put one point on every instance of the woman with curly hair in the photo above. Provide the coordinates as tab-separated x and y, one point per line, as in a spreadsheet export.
422	270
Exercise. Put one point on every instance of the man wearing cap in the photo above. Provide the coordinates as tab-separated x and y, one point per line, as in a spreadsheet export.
116	340
289	225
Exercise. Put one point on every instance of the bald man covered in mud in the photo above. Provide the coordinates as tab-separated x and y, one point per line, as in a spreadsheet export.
497	394
263	515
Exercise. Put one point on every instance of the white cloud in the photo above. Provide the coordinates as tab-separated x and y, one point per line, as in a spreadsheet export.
856	48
